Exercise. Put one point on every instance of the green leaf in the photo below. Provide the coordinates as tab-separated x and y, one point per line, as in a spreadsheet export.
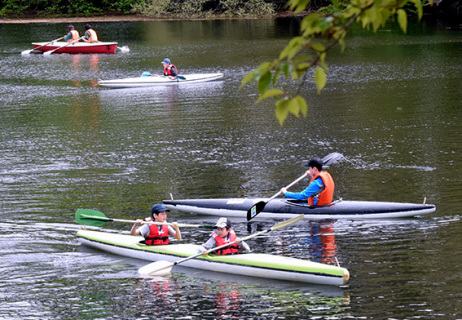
402	20
302	105
281	110
270	94
250	77
320	78
264	82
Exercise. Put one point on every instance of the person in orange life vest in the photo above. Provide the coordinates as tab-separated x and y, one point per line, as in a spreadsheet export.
224	235
90	34
156	234
73	34
320	191
169	68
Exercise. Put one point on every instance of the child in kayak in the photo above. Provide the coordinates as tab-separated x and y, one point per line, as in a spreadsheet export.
156	234
222	236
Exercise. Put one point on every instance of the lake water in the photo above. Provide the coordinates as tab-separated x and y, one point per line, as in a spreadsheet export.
392	107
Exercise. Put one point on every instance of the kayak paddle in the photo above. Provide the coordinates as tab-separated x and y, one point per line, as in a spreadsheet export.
29	51
161	267
259	206
47	53
97	218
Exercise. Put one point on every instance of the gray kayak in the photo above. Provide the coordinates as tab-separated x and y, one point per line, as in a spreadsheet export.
286	208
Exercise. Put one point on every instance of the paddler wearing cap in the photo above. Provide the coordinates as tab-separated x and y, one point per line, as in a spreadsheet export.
222	236
320	191
156	234
169	69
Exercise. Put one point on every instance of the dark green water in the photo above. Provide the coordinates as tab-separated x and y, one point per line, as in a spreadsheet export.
392	107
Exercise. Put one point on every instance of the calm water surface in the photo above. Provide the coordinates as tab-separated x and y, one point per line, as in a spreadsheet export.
392	107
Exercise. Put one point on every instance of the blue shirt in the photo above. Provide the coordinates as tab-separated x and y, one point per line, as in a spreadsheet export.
312	189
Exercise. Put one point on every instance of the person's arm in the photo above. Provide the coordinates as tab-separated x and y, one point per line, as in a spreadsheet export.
87	36
68	37
174	231
135	230
174	71
207	246
312	189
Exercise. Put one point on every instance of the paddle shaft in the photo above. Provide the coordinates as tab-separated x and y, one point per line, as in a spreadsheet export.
275	227
46	44
72	42
84	216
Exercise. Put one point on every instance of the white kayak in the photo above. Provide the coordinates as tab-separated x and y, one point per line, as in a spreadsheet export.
156	80
260	265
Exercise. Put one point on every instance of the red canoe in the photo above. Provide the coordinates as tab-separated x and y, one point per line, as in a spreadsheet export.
76	48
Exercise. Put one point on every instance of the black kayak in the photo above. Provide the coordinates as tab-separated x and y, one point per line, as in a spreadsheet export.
286	208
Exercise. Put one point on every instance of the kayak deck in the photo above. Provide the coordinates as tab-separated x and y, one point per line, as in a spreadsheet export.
249	264
155	80
285	208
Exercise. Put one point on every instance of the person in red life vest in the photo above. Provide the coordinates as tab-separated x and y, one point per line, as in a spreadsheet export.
169	69
156	234
90	34
73	34
222	236
320	191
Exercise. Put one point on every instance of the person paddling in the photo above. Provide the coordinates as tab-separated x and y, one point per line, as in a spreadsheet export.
73	34
222	236
169	69
320	191
156	234
90	34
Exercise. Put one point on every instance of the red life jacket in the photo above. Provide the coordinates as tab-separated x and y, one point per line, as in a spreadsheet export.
168	71
75	35
155	237
327	195
232	249
93	36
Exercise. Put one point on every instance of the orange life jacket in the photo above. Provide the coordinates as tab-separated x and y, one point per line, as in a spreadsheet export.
155	237
327	195
75	35
232	249
93	36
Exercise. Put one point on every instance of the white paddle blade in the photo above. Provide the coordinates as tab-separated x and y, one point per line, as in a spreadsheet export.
158	268
25	52
47	53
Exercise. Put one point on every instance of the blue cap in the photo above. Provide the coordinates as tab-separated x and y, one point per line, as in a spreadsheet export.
166	60
158	207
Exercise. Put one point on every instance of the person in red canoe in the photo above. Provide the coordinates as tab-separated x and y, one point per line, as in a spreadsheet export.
156	234
169	68
73	34
320	191
222	236
90	34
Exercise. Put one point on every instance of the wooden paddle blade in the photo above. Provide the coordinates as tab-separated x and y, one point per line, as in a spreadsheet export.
255	209
158	268
90	217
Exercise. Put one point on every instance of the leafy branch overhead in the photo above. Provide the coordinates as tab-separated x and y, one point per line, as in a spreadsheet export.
305	54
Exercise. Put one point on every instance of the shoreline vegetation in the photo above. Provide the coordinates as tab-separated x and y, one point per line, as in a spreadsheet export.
130	17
